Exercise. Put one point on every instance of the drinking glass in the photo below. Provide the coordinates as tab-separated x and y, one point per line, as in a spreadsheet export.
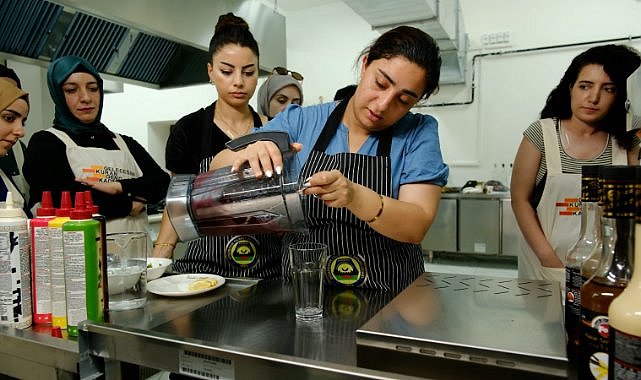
307	264
127	270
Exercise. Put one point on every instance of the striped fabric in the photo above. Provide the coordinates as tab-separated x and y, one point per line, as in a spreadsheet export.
569	165
216	254
359	256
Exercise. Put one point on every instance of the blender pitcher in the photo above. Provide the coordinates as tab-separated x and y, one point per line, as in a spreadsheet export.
223	203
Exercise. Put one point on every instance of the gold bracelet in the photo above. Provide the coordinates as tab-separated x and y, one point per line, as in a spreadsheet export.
380	211
157	244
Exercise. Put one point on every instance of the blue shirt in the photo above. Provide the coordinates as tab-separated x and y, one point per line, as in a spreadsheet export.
415	152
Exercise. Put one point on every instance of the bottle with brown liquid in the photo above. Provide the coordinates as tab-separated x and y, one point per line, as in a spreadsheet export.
613	273
625	313
589	239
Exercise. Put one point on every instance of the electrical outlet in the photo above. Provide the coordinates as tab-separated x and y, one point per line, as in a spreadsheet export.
496	39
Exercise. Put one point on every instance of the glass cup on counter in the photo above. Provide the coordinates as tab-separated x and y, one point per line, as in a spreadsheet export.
307	264
127	270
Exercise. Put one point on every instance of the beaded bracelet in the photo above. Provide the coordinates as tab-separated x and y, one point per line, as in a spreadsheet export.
157	244
380	211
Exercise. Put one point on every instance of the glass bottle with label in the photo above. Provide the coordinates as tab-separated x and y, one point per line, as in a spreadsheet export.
613	273
625	313
589	265
589	238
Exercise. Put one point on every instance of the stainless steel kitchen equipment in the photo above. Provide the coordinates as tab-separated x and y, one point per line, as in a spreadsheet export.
510	233
449	326
224	203
442	235
480	224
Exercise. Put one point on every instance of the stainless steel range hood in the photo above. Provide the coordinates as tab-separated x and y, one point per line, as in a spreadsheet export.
440	19
156	43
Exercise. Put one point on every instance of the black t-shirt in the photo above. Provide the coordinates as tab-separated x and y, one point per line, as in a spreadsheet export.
193	138
46	167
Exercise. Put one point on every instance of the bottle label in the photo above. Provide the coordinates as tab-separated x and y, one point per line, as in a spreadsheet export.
627	355
593	346
58	300
573	282
41	273
15	276
75	275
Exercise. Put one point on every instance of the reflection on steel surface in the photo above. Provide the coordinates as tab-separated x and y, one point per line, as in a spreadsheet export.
490	321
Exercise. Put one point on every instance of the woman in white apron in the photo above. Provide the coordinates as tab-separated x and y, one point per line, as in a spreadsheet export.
582	123
79	153
14	108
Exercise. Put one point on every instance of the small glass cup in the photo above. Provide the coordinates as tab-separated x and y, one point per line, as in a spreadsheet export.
307	264
127	270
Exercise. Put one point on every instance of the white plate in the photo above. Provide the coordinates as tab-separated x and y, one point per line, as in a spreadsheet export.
178	285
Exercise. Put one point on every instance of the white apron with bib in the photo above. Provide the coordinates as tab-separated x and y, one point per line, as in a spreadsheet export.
559	210
106	166
19	180
18	199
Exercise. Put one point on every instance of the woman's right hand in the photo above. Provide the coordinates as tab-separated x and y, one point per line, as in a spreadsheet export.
551	261
263	157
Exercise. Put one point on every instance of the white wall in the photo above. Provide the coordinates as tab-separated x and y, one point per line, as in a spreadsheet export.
510	88
324	42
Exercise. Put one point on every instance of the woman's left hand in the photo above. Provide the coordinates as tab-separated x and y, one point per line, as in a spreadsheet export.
332	187
112	188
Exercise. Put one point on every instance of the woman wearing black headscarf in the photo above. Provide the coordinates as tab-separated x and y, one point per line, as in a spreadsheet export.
80	153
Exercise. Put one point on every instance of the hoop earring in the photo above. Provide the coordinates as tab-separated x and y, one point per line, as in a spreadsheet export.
212	83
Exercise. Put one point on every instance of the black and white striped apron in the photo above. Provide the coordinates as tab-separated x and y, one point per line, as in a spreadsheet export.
253	256
358	255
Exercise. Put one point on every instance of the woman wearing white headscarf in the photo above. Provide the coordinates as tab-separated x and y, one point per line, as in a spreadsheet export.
277	92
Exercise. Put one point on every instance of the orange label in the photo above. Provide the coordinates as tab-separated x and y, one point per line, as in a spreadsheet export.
569	207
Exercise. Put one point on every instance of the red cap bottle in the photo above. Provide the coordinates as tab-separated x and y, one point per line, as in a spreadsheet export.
65	204
80	211
46	205
89	201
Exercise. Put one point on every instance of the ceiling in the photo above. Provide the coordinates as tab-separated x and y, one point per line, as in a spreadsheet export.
162	43
157	43
440	19
297	5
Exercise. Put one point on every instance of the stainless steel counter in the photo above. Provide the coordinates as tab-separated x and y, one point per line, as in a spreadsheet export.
240	331
494	195
449	325
34	354
247	330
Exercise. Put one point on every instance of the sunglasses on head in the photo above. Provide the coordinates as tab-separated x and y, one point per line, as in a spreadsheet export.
283	71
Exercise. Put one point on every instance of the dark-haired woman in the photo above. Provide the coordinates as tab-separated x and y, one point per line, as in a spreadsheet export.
374	169
582	123
79	153
197	137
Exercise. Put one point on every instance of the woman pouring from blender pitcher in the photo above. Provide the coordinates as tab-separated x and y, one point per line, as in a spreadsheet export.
373	170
